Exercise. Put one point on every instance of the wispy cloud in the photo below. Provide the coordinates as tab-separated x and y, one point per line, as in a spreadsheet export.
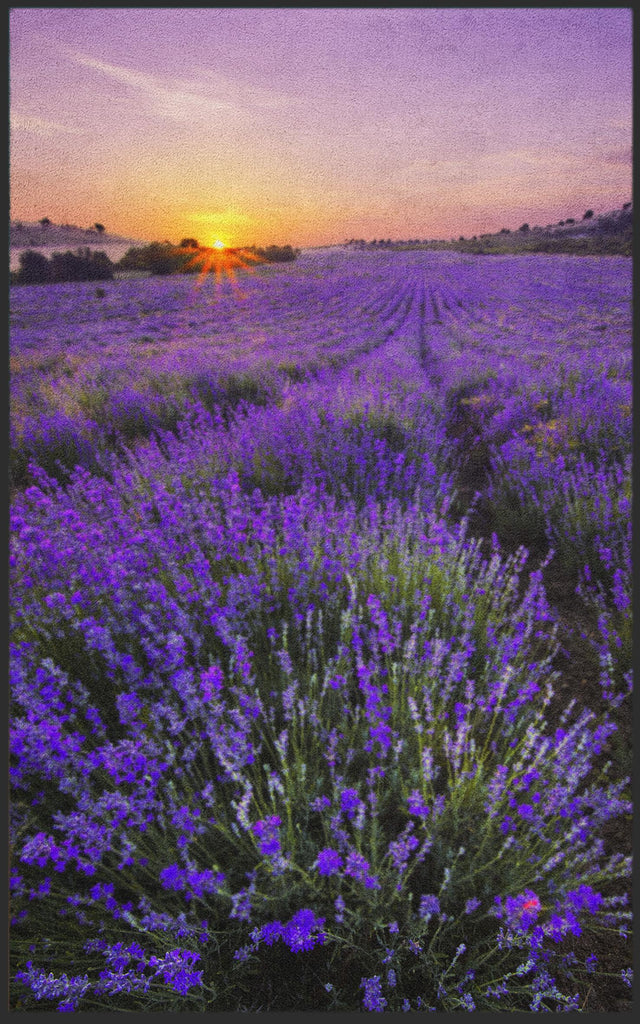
191	100
242	94
168	97
40	126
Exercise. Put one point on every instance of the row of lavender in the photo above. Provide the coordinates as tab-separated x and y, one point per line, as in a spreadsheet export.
283	732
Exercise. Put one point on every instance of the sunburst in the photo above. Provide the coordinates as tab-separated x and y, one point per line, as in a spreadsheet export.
221	261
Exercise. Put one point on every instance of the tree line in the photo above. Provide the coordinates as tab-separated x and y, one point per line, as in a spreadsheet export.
160	258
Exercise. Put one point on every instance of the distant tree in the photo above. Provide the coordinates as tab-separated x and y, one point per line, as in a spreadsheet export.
277	253
560	223
524	227
189	243
34	268
569	220
99	228
587	215
626	206
45	222
461	239
504	231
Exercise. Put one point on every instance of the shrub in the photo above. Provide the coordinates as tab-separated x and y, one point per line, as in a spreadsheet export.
160	258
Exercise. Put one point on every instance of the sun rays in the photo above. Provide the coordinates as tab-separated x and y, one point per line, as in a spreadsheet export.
221	261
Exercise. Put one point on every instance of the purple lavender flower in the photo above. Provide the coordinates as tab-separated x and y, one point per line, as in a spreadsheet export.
46	986
429	904
401	849
267	833
339	906
417	805
350	802
271	932
521	912
373	999
358	867
112	982
241	905
174	967
329	862
584	897
303	931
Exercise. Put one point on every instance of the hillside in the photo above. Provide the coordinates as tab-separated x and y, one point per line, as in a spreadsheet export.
25	235
607	233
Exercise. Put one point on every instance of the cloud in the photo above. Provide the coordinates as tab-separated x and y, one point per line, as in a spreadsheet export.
190	100
38	125
248	95
168	97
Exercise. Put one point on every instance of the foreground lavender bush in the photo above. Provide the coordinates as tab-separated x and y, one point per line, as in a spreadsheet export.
291	753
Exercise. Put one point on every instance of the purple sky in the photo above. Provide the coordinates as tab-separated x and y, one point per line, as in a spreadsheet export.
315	125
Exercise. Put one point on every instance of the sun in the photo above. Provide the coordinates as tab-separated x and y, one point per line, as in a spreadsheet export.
218	244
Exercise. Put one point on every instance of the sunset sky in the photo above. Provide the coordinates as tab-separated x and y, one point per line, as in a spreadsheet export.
310	126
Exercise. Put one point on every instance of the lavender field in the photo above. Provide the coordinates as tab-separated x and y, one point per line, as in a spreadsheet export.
320	600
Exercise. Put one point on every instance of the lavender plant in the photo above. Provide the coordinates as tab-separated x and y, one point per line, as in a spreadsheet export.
323	791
